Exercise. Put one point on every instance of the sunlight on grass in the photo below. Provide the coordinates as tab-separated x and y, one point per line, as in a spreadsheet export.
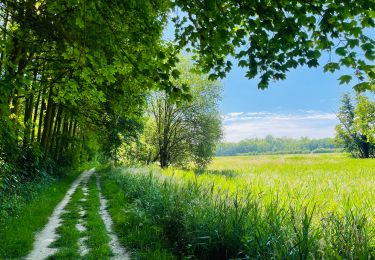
295	206
330	181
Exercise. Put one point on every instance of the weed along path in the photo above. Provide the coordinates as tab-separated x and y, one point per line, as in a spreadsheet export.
80	226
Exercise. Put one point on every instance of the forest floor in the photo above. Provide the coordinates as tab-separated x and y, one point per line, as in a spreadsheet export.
80	225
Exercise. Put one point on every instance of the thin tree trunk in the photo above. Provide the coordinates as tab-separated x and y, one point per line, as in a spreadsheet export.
35	117
63	140
47	121
29	107
51	127
4	39
70	131
55	131
74	128
58	135
41	118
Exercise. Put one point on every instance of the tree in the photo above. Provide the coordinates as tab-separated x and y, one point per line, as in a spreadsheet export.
186	131
357	126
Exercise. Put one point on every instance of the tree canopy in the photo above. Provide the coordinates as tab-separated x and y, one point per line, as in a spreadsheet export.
74	73
269	38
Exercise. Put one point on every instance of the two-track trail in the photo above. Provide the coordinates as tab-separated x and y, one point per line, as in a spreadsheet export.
46	242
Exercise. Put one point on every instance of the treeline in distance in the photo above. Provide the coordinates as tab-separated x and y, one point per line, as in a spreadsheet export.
278	145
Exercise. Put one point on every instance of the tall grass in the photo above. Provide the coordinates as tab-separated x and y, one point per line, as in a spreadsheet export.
215	216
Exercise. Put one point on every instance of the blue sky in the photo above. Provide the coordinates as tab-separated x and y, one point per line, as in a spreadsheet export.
302	105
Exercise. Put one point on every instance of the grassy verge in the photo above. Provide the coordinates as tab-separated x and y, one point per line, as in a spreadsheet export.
21	215
154	214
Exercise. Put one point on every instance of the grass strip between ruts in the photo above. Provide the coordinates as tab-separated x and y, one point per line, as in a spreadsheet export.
98	240
68	235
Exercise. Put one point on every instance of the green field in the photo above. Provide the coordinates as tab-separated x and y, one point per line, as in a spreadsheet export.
297	206
332	181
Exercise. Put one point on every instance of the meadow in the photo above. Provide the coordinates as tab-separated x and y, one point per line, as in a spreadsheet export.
333	182
269	206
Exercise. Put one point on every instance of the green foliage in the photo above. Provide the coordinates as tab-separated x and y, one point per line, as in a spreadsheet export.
270	38
365	118
68	92
273	145
356	130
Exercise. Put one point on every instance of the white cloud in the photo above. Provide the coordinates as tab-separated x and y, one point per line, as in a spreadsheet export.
314	124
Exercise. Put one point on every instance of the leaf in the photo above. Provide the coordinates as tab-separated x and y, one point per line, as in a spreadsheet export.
291	63
161	55
345	79
367	46
212	77
79	22
347	61
242	63
331	67
313	63
341	51
176	73
185	88
353	42
362	87
370	55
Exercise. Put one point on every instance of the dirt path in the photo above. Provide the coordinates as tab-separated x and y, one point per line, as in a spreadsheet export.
43	244
118	251
81	225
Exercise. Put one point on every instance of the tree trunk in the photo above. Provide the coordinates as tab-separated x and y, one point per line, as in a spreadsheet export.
35	117
41	118
48	121
4	39
74	128
63	140
56	130
29	107
365	147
